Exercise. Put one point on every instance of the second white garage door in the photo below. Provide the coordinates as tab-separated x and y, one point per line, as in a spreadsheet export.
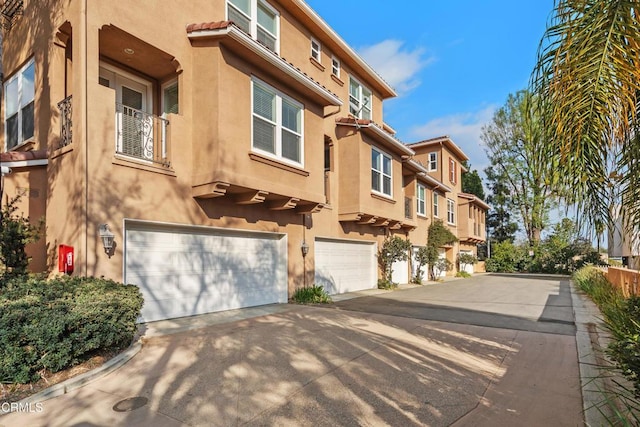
345	266
183	271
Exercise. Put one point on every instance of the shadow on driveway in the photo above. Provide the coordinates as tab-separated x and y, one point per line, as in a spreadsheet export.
502	301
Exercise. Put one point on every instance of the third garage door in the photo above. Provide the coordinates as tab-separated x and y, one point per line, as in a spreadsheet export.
344	265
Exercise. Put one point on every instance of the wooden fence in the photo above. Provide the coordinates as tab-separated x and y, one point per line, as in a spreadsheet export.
628	281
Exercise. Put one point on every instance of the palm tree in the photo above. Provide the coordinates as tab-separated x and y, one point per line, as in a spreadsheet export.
588	81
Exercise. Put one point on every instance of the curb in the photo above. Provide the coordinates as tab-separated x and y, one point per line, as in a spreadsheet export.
83	379
590	340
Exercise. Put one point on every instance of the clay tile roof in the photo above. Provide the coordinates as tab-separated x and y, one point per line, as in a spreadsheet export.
352	121
17	156
206	26
437	138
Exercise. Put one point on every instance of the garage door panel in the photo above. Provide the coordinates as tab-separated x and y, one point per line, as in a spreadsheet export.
182	273
345	266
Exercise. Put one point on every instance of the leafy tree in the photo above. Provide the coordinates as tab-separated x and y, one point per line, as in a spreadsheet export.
500	224
515	144
471	182
465	259
393	249
15	233
438	236
421	259
564	250
587	82
441	266
505	258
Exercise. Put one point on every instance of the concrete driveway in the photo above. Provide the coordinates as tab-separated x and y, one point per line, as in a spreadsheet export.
483	351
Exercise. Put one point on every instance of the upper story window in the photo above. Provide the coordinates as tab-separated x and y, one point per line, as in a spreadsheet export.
451	216
316	49
421	207
436	212
19	96
380	172
452	171
277	124
257	18
433	161
359	100
335	67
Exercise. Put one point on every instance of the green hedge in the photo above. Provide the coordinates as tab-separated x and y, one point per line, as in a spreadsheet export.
58	323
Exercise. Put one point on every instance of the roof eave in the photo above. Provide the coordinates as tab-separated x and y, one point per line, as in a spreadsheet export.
386	91
266	54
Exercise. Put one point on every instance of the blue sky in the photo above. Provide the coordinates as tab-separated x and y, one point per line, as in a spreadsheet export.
452	63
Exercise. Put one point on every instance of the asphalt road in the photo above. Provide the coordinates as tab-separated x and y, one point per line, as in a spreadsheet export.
486	351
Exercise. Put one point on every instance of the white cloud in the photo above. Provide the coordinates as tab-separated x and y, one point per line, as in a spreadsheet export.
398	67
464	129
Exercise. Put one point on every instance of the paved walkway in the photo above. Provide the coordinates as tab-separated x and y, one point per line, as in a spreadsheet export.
465	352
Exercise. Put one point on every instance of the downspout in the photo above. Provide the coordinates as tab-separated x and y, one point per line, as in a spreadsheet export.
85	121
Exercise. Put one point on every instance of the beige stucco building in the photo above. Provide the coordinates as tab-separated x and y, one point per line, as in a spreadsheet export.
236	149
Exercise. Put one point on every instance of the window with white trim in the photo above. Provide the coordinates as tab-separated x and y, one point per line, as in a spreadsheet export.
258	18
421	207
359	100
380	172
316	50
433	161
452	171
277	125
435	205
451	216
335	67
19	97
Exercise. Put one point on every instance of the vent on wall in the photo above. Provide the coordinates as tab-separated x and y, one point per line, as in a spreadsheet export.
10	10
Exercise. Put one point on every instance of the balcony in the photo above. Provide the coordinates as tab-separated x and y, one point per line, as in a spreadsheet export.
142	136
408	208
474	232
66	131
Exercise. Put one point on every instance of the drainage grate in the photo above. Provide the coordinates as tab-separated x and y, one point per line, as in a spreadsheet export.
130	404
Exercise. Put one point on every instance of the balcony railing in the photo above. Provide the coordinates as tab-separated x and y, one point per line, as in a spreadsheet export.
66	130
327	186
408	207
141	135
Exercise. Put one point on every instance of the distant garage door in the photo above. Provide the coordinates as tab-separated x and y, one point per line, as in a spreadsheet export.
184	271
345	266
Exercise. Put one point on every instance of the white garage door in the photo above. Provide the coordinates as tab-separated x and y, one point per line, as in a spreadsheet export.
467	267
184	271
400	272
345	266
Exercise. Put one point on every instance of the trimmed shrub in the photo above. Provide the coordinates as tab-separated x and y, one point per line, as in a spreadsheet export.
463	273
52	325
311	295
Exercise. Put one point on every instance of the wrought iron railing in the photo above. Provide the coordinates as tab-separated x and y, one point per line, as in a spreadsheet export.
327	186
408	207
66	129
141	135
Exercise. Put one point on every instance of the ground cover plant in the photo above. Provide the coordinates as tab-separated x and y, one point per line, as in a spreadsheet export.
622	318
311	295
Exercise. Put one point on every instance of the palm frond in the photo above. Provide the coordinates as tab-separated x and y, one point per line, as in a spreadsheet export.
588	77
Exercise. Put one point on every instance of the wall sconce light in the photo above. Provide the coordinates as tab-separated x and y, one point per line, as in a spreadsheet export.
304	247
107	239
